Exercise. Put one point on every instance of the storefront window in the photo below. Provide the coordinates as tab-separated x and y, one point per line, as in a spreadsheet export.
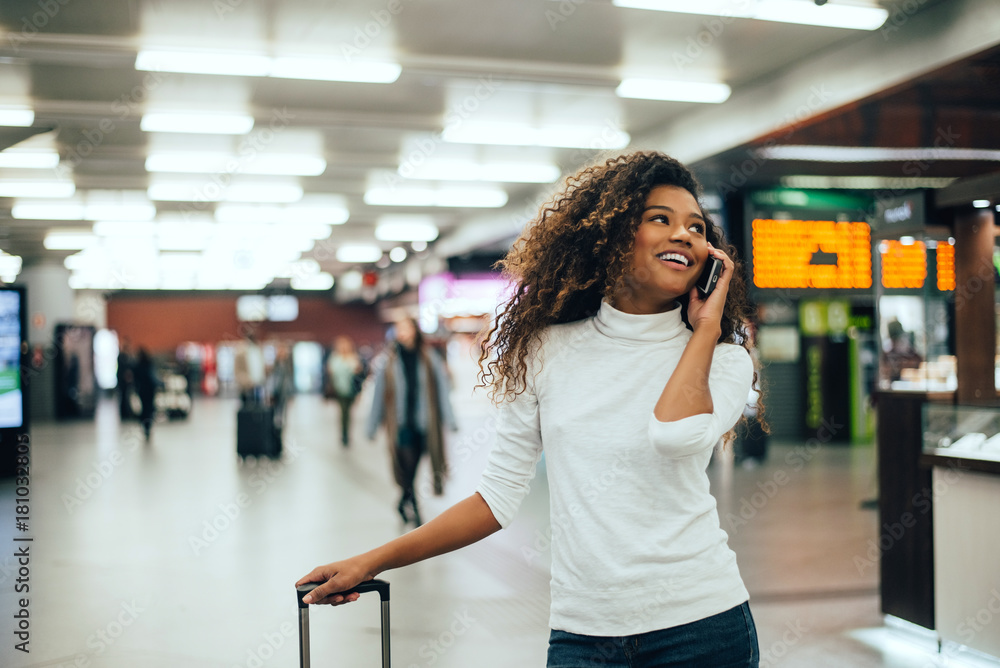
917	282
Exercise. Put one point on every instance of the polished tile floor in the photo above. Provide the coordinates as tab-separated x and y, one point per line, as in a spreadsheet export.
174	553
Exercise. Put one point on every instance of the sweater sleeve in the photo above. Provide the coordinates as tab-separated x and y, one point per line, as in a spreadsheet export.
514	457
729	383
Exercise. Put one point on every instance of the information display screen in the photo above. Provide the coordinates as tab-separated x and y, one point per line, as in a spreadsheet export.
807	243
811	254
11	396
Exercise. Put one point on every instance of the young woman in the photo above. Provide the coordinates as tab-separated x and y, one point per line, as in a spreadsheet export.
608	357
411	398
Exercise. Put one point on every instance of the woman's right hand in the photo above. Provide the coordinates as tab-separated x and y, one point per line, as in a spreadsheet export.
336	577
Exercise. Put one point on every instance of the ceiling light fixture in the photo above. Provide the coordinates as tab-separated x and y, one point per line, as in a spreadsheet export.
210	191
981	203
329	69
16	117
803	12
68	239
673	91
320	281
406	228
556	136
203	62
14	158
197	122
499	172
358	253
36	189
863	182
92	205
444	197
222	163
872	153
258	65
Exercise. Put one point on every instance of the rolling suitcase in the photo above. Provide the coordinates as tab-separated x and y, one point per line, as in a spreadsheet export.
256	432
381	586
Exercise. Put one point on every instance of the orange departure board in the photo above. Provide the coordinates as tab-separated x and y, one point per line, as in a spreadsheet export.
903	265
811	254
945	266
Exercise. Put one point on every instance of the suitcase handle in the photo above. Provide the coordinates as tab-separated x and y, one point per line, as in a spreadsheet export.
381	586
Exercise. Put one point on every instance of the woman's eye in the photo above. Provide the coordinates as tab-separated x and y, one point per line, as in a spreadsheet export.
699	228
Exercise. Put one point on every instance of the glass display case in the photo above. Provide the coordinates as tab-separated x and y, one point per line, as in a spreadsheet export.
967	432
915	303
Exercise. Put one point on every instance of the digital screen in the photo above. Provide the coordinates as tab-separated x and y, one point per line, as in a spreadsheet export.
282	308
251	308
903	265
11	398
258	308
811	254
945	266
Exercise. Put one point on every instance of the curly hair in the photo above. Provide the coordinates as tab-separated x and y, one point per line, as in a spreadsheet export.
598	212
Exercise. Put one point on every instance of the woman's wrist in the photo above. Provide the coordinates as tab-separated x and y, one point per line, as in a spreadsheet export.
707	329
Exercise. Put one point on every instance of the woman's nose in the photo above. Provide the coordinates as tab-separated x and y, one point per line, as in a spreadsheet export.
680	233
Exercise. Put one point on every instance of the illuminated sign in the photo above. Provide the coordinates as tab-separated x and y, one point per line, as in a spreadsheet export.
945	266
811	254
899	215
903	265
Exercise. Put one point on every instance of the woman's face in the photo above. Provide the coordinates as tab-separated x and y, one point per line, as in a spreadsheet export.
406	333
671	248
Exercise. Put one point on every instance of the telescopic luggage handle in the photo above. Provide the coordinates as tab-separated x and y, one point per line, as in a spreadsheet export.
381	586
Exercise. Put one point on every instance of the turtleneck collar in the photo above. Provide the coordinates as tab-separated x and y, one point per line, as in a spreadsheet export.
651	328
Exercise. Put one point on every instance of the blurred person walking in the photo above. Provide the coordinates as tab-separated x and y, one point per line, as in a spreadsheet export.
125	383
144	377
346	371
249	370
281	383
609	357
411	398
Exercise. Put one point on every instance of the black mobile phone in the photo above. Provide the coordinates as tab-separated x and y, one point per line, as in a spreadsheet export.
709	276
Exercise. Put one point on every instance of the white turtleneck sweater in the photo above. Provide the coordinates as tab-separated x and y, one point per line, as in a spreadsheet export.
636	540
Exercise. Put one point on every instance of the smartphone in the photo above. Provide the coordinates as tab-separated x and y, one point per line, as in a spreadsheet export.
709	276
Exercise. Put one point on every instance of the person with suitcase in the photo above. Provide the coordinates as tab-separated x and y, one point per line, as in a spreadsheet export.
609	356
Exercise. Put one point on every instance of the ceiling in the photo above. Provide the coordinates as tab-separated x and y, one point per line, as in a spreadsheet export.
542	62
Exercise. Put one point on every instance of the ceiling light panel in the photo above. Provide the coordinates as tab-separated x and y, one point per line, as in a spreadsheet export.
68	239
406	228
197	122
555	136
675	91
222	163
15	158
358	253
27	188
248	64
873	153
803	12
435	197
496	172
18	117
211	190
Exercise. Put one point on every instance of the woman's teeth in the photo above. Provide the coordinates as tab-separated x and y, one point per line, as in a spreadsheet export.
675	257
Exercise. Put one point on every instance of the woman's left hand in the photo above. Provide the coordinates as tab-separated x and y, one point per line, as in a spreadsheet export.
704	311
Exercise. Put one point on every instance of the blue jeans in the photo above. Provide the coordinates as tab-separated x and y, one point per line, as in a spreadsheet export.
726	640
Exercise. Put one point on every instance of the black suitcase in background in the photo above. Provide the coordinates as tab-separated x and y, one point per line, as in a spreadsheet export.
380	586
257	435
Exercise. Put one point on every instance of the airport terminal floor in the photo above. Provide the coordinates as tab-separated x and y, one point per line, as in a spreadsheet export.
174	553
